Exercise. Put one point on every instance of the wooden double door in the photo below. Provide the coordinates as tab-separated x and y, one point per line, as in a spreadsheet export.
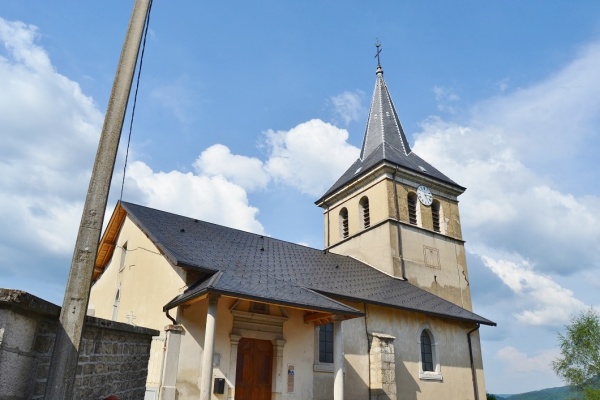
254	370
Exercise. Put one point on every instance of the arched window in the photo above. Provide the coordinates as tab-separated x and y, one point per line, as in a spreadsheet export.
364	212
426	352
412	208
429	365
344	223
435	215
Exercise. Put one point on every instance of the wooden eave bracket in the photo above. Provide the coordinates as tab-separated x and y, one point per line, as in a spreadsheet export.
109	240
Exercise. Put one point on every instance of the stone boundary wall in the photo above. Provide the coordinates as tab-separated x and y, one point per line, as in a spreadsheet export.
113	357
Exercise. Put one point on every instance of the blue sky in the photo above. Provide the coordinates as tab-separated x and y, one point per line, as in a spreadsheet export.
248	111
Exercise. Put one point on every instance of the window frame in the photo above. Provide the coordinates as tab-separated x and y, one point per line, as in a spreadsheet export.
321	366
436	374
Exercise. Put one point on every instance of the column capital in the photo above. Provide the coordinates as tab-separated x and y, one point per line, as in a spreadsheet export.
175	329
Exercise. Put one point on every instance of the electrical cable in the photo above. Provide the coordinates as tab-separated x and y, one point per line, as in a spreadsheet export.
137	86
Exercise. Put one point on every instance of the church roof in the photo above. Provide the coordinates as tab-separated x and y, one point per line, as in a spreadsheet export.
385	140
258	267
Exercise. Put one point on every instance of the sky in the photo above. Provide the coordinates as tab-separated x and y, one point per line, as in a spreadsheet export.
248	111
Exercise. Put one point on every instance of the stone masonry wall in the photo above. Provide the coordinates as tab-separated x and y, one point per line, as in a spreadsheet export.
383	367
113	356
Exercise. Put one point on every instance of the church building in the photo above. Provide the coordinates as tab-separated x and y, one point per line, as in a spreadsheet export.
382	312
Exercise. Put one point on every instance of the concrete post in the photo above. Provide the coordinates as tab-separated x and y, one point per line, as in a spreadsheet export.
169	375
338	361
209	348
278	369
63	367
235	340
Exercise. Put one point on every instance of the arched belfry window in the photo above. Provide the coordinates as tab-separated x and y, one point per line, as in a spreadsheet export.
344	232
429	365
365	215
435	215
412	208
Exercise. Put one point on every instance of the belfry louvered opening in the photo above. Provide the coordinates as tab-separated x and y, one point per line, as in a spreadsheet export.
435	215
412	208
344	232
364	212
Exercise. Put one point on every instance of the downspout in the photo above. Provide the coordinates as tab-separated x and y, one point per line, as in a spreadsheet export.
368	350
399	231
164	357
171	318
473	372
328	232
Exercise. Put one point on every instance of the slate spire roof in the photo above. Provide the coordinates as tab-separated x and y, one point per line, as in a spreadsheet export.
385	140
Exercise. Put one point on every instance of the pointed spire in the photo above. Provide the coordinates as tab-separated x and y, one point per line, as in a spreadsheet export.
385	141
383	127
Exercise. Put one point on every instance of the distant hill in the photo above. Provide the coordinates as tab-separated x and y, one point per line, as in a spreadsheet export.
557	393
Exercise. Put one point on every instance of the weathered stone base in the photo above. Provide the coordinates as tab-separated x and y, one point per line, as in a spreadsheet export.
383	366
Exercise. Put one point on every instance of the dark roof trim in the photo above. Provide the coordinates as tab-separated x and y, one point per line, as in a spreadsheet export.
480	320
210	290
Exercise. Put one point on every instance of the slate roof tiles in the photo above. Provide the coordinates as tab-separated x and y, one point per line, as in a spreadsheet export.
260	267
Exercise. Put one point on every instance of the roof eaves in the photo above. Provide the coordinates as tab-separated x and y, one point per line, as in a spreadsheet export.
350	311
480	319
170	256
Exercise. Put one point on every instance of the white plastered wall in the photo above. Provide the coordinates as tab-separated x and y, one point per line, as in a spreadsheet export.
147	282
298	351
451	346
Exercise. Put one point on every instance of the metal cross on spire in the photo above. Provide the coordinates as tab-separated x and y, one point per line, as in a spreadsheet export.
378	45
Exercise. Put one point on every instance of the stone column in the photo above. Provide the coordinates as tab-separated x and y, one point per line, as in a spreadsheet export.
209	347
278	368
235	340
169	375
338	361
383	366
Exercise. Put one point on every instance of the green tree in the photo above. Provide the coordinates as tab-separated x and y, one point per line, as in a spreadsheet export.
490	397
579	364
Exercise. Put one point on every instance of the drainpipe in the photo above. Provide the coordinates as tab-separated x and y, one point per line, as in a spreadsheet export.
473	372
368	349
328	233
399	231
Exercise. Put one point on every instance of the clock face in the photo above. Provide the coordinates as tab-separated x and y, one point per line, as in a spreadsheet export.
424	195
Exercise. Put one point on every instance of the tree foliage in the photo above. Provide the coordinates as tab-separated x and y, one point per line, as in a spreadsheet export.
579	364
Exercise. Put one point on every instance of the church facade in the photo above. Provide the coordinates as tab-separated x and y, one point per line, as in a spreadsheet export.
382	312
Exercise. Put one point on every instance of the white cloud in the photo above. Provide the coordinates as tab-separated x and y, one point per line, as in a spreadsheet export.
517	361
310	156
507	154
552	304
49	137
213	199
348	106
247	172
507	204
445	97
551	119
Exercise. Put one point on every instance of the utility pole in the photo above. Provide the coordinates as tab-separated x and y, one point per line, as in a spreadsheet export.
63	367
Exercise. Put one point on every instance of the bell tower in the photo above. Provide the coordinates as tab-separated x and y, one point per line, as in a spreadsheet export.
396	212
